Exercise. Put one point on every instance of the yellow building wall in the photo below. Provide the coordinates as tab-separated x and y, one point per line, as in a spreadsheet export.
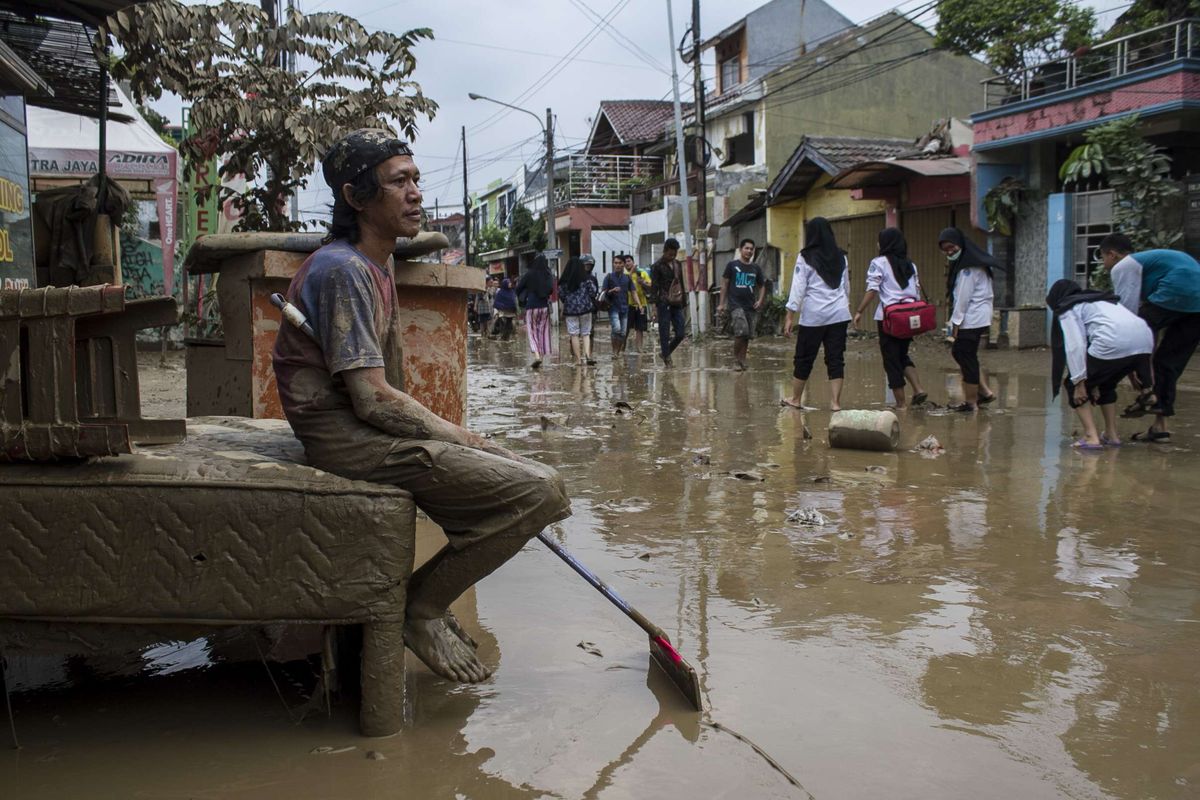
785	222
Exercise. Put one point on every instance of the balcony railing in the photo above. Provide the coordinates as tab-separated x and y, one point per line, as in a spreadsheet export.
1136	52
599	180
651	197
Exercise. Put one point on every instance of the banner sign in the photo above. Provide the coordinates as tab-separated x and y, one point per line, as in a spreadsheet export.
17	269
83	163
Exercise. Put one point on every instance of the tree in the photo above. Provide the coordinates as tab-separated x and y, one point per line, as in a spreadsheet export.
489	239
1014	34
525	229
248	109
1144	14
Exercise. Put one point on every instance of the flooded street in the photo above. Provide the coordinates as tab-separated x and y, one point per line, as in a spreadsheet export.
1011	618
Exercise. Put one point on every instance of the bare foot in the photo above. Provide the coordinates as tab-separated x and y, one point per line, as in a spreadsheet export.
834	407
459	630
440	649
791	404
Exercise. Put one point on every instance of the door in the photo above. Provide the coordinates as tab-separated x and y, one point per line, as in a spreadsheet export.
859	237
921	229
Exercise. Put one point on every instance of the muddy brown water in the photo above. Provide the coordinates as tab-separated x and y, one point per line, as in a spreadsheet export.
1009	619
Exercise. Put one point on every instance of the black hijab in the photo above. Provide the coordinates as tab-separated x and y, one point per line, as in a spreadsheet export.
573	275
822	252
970	255
539	280
1063	295
893	246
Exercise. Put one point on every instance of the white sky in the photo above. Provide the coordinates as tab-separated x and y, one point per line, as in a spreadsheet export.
473	51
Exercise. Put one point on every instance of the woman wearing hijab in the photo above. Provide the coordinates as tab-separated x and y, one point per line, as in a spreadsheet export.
1099	342
892	278
969	287
534	290
821	295
577	291
505	306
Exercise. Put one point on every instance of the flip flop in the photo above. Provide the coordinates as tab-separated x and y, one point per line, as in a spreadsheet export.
919	398
1084	444
1107	442
984	400
1152	436
786	404
963	407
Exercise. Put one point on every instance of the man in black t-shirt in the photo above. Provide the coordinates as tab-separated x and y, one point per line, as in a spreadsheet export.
743	292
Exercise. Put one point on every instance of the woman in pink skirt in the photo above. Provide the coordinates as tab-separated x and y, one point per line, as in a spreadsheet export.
534	291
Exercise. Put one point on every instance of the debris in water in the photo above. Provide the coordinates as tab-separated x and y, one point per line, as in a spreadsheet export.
748	476
930	447
621	405
326	750
701	460
590	647
877	470
845	535
758	603
375	755
807	433
768	465
808	516
549	424
644	556
821	479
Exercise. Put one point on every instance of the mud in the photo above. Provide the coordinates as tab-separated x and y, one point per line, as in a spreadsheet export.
1009	618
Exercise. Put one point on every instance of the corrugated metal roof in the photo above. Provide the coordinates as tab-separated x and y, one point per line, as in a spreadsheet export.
895	171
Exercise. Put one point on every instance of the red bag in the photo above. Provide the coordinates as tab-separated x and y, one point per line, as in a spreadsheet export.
907	319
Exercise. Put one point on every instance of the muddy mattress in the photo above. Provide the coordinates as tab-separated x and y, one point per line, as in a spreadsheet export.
226	527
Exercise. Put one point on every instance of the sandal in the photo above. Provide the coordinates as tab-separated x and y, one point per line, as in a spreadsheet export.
920	397
964	407
1146	403
1152	436
984	400
1107	442
1084	444
789	404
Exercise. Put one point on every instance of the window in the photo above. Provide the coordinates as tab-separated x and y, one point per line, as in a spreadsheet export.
483	217
731	73
729	62
502	211
511	199
740	149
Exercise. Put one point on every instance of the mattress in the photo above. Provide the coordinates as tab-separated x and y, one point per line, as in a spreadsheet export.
227	527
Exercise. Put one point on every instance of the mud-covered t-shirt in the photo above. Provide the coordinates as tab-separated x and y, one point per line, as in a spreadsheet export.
350	302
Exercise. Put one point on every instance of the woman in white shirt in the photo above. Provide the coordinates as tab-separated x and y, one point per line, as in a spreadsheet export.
892	278
821	296
969	285
1098	342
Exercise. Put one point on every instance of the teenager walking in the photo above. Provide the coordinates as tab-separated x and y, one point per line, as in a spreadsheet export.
743	294
534	290
969	286
820	295
669	309
892	278
577	291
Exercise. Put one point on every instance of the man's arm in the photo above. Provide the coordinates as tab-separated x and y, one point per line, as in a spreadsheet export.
1127	282
762	291
724	292
378	403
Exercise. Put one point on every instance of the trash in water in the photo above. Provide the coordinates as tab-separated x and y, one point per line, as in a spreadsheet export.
845	535
877	470
549	424
808	516
929	447
644	556
748	476
590	647
326	750
621	405
375	755
701	460
821	479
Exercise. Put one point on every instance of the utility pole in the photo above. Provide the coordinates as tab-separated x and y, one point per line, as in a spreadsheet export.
551	229
466	204
702	161
681	160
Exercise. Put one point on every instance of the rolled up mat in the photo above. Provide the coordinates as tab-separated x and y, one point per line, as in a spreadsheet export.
864	430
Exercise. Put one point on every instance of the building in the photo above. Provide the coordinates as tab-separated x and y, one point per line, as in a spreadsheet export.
1030	122
794	72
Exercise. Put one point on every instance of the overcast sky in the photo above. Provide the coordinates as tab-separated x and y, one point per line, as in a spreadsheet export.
476	50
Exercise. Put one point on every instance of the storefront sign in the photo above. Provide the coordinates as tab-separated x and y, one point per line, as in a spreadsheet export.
83	163
16	228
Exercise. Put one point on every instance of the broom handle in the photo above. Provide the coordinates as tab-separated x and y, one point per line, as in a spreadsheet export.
649	627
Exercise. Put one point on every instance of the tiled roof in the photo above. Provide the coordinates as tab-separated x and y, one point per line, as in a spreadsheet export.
637	121
846	151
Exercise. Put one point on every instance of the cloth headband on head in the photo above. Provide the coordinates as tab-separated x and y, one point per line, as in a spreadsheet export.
357	152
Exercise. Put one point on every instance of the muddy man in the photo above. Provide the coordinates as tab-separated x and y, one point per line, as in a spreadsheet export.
344	397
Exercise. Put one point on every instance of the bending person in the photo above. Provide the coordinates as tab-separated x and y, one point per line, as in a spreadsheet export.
1163	288
969	286
534	290
820	294
345	400
1099	342
892	278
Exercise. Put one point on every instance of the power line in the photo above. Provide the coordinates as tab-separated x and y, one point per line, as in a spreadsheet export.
612	32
